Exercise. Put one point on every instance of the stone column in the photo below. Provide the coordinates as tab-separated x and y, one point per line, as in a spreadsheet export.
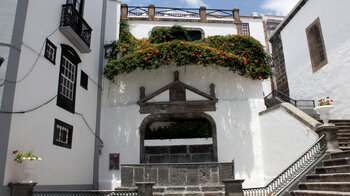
233	187
151	12
330	132
237	21
203	14
144	188
21	189
124	9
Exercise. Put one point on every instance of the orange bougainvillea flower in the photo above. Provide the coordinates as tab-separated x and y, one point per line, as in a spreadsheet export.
244	60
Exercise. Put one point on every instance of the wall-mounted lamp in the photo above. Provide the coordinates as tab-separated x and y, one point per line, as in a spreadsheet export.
1	61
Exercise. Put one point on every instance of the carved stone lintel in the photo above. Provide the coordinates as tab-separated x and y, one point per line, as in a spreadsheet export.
142	92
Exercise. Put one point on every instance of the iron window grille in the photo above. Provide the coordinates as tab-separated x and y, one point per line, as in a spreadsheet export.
63	133
84	78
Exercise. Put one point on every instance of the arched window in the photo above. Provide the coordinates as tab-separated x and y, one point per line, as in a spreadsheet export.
317	48
67	78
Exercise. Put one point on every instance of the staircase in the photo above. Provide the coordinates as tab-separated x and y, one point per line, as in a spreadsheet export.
333	178
343	133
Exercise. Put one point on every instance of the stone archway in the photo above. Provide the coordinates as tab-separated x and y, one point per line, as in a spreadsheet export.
167	117
179	108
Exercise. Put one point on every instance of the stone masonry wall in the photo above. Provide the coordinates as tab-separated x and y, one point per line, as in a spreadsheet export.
279	64
184	174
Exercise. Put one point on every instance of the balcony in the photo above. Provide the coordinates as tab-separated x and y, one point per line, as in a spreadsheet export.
75	28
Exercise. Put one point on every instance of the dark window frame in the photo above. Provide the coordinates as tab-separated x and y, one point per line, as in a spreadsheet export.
248	30
114	161
84	80
56	134
316	45
62	101
49	43
81	6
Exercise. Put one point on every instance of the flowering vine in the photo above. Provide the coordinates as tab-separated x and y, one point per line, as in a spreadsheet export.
241	54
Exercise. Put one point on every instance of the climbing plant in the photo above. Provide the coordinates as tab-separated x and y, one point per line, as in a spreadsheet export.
241	54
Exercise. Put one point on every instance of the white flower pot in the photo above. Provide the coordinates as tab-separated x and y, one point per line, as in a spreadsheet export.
324	112
28	169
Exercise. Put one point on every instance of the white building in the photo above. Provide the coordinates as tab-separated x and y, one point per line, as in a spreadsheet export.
311	53
50	87
56	102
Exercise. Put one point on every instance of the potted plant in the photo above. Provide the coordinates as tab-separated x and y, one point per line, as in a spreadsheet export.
28	160
323	108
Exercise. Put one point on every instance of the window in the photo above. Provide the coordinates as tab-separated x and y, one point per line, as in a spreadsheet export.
78	5
194	35
114	161
84	80
67	78
316	45
50	51
245	29
63	133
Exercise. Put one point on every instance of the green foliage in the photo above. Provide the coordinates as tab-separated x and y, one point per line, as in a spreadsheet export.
163	34
193	128
241	54
19	157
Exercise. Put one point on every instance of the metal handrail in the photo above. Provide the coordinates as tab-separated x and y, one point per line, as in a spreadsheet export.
285	98
283	180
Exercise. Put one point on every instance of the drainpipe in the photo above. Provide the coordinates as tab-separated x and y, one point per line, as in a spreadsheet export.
99	94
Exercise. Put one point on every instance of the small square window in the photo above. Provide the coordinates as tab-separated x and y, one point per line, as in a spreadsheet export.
84	78
50	51
114	161
63	134
245	29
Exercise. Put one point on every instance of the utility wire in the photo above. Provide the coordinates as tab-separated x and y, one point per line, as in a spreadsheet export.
35	63
30	110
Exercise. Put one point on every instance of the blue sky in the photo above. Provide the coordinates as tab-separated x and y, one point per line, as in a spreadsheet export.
247	7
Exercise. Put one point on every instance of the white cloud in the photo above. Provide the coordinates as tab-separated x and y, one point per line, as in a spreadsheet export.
194	3
279	7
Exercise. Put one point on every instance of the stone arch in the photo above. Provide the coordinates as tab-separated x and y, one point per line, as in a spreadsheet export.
166	117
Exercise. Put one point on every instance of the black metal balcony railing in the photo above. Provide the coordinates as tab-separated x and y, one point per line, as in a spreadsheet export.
71	17
276	97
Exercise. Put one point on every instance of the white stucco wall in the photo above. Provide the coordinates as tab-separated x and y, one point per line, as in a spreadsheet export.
7	19
141	29
34	130
284	139
333	79
236	118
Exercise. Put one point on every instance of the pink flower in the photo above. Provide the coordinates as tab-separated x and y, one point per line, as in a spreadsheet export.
15	151
327	97
14	159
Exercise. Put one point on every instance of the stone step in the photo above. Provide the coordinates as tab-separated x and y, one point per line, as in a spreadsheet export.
344	148
188	189
340	154
326	186
338	177
333	169
343	130
343	134
343	139
344	144
191	194
316	193
337	161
